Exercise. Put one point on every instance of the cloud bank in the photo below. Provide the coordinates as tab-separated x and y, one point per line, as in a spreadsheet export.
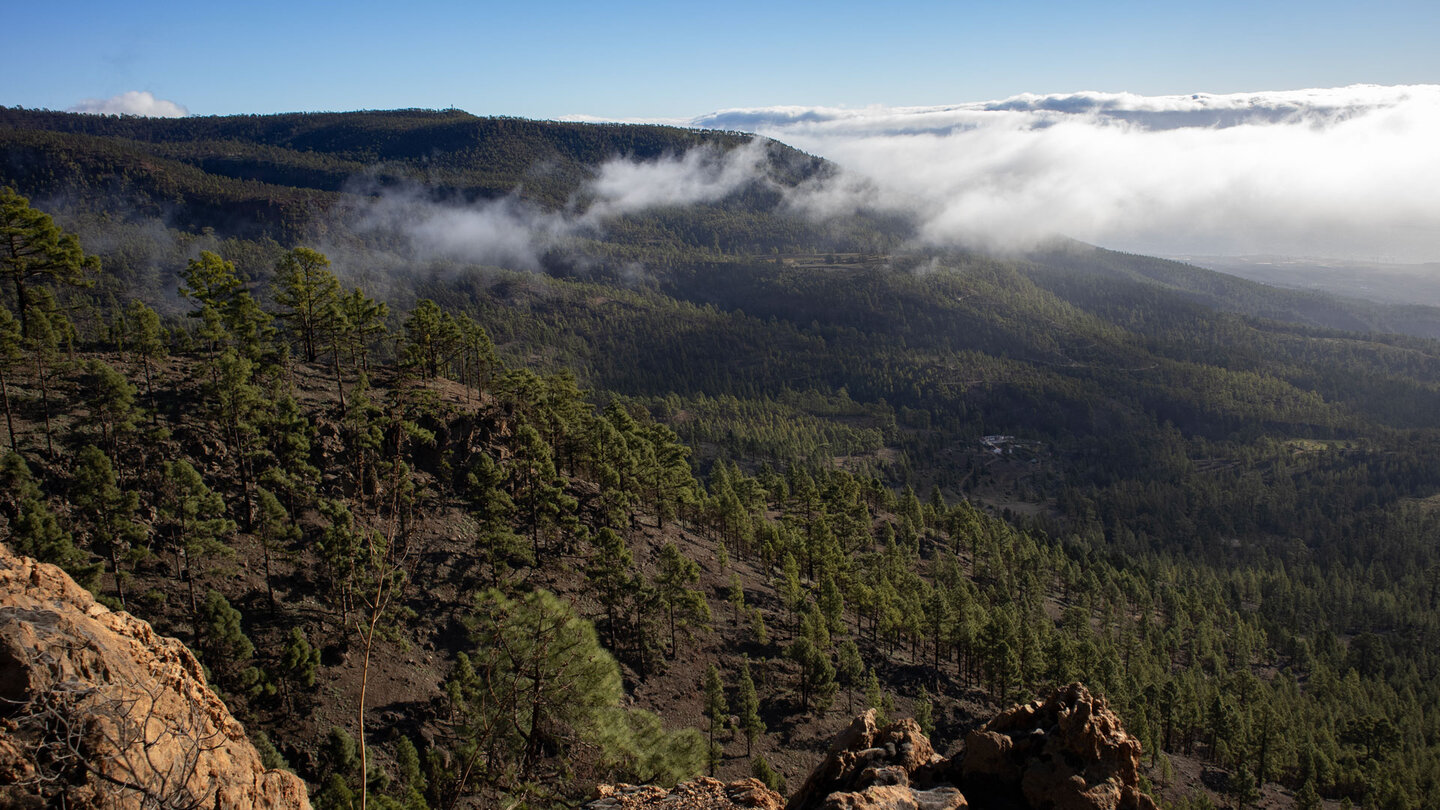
1350	172
134	102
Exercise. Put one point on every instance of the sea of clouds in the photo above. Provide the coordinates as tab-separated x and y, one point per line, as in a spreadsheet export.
1346	173
1350	172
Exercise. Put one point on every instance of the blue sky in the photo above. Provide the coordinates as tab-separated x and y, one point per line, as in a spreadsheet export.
667	60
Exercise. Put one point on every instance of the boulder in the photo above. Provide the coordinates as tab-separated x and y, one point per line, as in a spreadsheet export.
894	768
1066	752
97	710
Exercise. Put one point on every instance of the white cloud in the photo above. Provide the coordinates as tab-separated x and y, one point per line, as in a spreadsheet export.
1346	172
509	232
133	102
700	175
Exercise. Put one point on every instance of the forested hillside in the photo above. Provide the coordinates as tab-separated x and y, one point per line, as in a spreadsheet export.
398	503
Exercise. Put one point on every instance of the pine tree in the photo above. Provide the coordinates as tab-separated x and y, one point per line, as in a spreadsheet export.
924	712
147	343
684	606
716	710
749	708
299	663
198	527
37	533
875	697
33	249
811	651
225	642
365	321
538	489
11	341
310	295
609	574
108	511
850	668
538	688
274	529
45	330
237	402
736	597
791	592
289	472
431	338
760	769
110	399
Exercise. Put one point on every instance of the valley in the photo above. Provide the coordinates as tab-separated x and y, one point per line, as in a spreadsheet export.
705	431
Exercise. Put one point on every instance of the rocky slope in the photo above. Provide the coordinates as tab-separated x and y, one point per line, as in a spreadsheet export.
97	710
1064	752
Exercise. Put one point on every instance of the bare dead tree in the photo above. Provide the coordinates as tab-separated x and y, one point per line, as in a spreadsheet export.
116	737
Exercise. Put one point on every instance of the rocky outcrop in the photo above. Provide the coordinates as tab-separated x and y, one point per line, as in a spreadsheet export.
869	768
97	710
699	794
1066	752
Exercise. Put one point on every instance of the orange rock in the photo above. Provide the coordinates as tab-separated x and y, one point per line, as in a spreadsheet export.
123	712
1067	752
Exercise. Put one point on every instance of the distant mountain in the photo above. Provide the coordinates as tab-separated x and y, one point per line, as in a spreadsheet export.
1312	294
1381	282
276	175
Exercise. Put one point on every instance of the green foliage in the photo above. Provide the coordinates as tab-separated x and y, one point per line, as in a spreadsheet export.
811	652
334	794
110	399
407	762
773	779
226	644
269	756
924	712
716	710
342	756
299	663
536	687
195	513
748	707
875	698
37	533
310	296
432	338
108	512
36	251
685	607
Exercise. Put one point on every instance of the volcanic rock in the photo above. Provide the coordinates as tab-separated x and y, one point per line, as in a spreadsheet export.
1066	752
870	769
97	710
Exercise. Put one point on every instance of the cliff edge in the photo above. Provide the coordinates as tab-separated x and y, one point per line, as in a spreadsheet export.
97	710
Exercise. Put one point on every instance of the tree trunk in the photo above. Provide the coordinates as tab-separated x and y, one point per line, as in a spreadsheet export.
115	568
10	420
45	403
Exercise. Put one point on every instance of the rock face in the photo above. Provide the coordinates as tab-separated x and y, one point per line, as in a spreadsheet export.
868	768
1067	752
97	710
698	794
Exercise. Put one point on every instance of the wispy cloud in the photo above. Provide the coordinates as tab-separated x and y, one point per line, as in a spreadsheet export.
511	232
1346	172
133	102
